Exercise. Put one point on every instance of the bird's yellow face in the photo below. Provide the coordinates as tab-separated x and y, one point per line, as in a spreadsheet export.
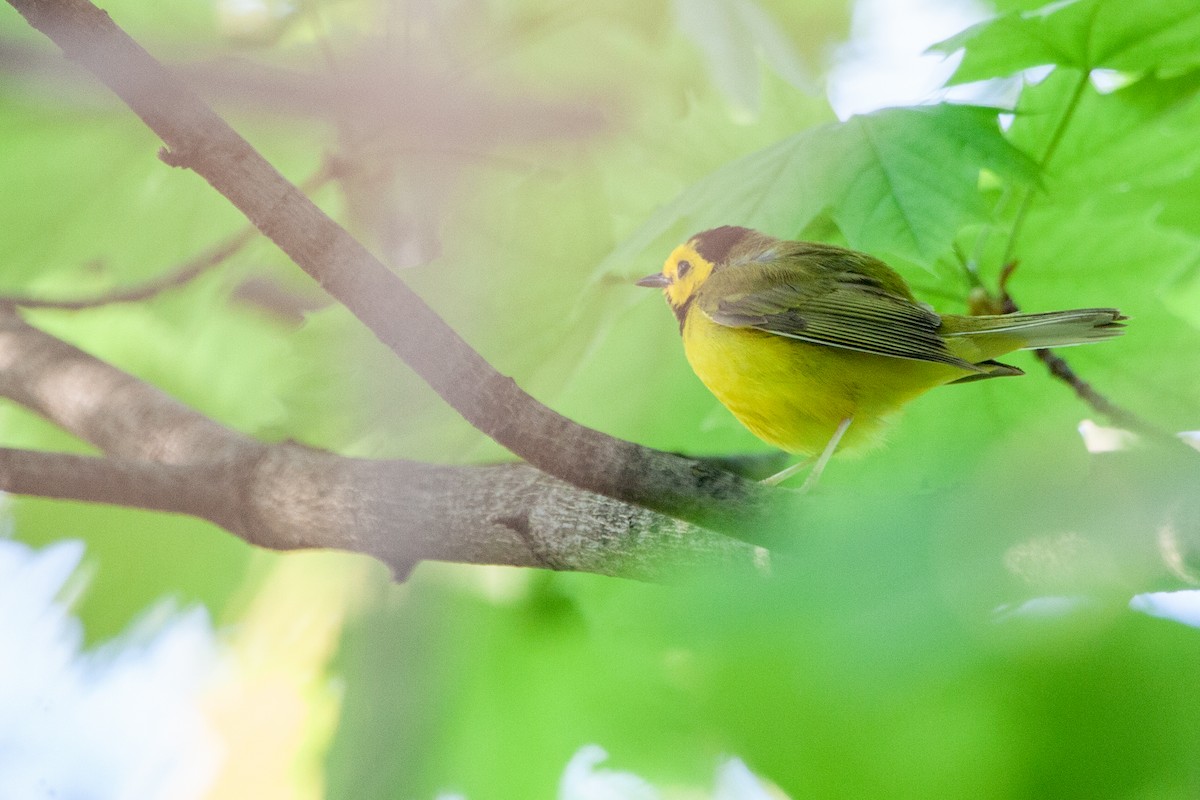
684	272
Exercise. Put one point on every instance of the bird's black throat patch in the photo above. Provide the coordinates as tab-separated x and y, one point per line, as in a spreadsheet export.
681	312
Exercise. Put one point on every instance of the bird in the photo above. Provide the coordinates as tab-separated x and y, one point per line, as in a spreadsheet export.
815	348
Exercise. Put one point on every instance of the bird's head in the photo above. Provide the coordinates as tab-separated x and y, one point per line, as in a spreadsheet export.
692	263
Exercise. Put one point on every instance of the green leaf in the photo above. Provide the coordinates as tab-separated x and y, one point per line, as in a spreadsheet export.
1084	35
1137	143
908	178
1102	254
899	181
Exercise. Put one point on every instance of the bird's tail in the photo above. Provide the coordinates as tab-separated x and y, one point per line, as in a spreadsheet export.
1049	329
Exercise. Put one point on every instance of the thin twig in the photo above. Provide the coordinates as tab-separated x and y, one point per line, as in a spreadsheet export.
1121	417
182	274
1060	369
1002	301
971	265
1056	138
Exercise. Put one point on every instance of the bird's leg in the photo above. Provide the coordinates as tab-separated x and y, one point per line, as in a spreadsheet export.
818	466
826	454
783	475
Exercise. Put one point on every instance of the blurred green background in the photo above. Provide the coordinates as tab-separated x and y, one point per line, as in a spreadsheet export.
519	163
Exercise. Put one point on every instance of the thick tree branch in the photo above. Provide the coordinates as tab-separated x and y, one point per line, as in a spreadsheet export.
200	140
287	497
165	456
116	412
133	484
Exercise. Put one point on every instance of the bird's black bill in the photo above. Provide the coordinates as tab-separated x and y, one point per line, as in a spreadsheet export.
655	281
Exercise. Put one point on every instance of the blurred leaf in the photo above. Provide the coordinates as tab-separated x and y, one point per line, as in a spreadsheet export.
84	224
734	35
871	665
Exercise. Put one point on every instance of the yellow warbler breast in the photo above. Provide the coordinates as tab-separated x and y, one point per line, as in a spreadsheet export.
793	394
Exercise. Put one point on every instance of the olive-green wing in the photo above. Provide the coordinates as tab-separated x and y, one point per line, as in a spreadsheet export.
849	308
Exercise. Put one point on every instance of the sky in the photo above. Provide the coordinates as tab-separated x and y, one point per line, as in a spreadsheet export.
884	64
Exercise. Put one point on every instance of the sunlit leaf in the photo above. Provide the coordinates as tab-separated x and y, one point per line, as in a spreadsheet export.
1134	145
1081	34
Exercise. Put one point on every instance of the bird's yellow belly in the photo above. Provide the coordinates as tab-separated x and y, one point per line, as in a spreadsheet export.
793	394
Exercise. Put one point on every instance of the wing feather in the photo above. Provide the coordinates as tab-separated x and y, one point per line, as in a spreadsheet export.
845	308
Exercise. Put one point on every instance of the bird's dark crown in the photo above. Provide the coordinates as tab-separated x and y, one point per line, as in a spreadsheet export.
714	245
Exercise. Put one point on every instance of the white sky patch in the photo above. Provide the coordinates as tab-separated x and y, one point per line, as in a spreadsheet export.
1182	606
735	781
585	779
1102	439
884	64
122	721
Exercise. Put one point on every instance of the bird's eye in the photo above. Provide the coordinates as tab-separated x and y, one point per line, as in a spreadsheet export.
683	268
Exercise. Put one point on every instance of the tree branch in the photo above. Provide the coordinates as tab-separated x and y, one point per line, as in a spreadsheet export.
1060	369
165	456
111	409
287	497
200	140
184	273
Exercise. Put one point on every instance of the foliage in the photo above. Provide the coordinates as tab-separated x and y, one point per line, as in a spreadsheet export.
874	662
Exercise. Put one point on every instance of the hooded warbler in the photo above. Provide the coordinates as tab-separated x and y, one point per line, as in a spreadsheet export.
813	347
